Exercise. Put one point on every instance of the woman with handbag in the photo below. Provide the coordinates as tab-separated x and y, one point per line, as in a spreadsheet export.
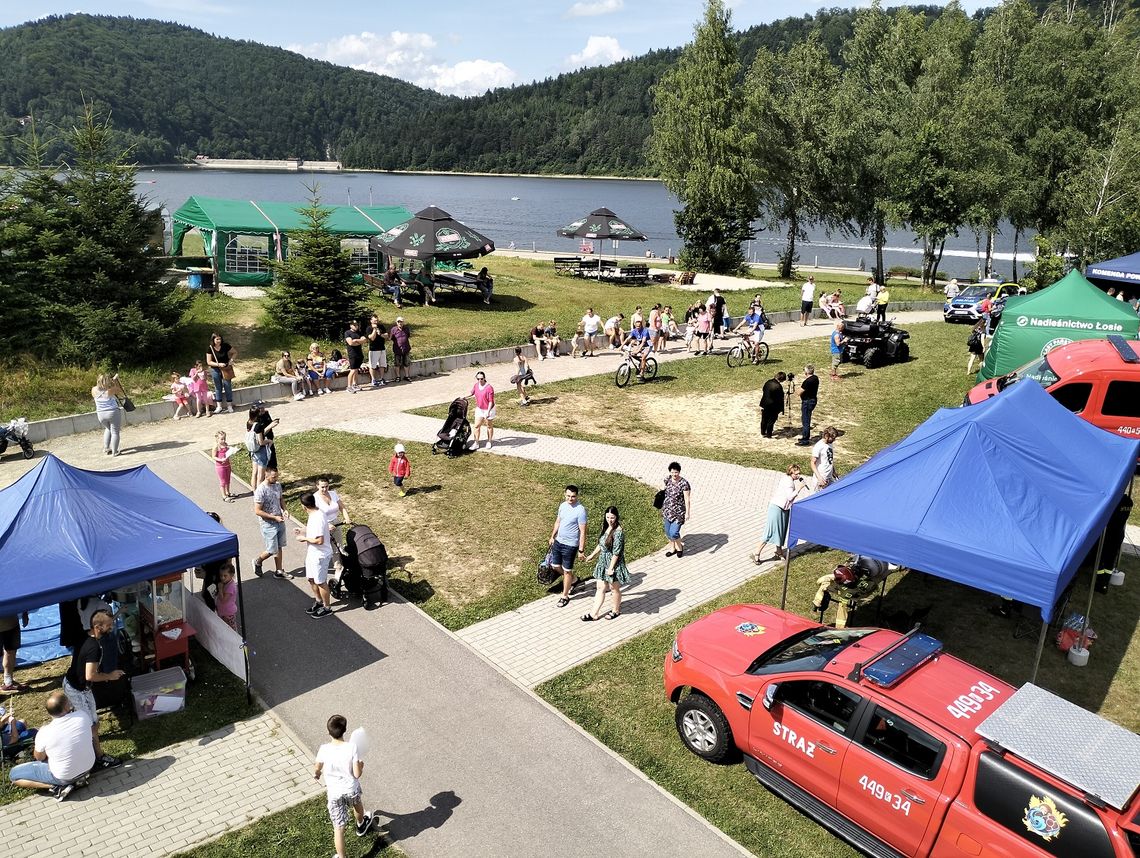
787	491
109	410
677	505
219	358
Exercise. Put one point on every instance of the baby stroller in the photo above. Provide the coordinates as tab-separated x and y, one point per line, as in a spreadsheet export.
365	568
456	431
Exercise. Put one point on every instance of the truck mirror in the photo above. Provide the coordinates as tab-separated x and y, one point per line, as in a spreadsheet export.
770	695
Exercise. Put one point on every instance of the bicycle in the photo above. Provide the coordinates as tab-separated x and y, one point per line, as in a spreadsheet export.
745	351
631	366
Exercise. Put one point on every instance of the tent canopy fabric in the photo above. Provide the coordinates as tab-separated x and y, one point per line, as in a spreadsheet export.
1006	496
220	220
66	533
1071	309
1122	270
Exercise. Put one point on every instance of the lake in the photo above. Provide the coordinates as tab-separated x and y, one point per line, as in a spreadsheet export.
528	210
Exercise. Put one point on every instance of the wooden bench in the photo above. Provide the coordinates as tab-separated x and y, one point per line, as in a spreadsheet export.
636	273
567	264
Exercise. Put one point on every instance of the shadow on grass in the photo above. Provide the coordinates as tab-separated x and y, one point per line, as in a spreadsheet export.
425	490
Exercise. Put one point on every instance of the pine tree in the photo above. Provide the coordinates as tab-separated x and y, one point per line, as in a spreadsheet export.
314	292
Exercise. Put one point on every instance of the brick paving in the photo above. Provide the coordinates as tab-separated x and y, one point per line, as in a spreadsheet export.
170	800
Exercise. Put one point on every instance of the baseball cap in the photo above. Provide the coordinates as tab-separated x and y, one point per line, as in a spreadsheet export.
399	318
399	448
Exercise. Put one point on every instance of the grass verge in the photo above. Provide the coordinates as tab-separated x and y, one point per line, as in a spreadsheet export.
619	696
465	543
213	700
300	830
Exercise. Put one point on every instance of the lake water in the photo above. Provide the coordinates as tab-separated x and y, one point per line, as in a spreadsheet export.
542	206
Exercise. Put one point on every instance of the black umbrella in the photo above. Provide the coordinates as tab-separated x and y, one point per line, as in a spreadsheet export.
602	224
432	234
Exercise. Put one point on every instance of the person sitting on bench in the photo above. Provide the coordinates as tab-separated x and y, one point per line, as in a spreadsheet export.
485	284
392	284
427	284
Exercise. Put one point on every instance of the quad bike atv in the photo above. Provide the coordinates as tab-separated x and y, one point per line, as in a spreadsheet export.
874	344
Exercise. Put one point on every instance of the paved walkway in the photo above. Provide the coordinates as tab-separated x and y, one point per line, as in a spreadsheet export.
171	800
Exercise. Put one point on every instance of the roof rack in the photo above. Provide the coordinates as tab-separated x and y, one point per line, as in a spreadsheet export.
1123	348
898	660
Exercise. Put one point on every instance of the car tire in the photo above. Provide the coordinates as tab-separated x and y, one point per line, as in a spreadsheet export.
703	728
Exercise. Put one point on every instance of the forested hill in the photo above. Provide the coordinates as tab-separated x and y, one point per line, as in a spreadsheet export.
173	91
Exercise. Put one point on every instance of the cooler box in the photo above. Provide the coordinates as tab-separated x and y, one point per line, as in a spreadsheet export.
159	692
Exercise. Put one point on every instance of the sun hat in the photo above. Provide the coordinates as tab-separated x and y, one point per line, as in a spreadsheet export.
399	448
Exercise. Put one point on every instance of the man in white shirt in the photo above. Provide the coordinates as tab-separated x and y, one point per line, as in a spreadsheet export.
807	300
63	751
823	459
342	767
318	557
873	288
591	322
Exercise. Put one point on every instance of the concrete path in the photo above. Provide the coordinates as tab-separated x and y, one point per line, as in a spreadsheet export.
170	800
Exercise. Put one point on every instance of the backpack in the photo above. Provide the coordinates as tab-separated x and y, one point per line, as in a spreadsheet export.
251	442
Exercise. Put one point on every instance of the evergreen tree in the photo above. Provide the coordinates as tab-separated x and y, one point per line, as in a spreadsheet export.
698	147
313	292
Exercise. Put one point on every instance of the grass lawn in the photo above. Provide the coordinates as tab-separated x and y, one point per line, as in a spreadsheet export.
526	291
619	696
703	409
300	830
216	698
458	560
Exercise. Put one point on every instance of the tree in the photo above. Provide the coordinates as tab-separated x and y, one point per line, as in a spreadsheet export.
313	291
790	108
699	150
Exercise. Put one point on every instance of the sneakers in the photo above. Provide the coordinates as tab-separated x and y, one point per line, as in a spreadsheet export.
377	383
324	390
230	408
257	570
60	793
403	493
320	611
352	388
107	762
219	409
365	824
312	609
279	573
297	397
488	447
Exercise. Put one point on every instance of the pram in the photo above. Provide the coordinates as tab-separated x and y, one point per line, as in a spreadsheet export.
364	572
456	431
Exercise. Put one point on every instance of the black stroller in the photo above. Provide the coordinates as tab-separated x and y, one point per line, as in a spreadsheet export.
365	573
456	431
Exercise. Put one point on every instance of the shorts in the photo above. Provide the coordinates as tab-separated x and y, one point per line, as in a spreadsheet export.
484	414
10	640
757	336
339	807
317	567
356	361
260	456
378	360
35	771
81	701
273	535
400	359
836	360
806	307
563	555
672	528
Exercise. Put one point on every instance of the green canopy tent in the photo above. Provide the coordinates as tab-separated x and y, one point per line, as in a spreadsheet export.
1071	309
242	236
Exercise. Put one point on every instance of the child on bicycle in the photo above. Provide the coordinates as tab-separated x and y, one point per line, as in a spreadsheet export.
639	343
751	328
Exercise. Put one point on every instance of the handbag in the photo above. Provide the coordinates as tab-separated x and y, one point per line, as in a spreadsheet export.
659	499
127	404
228	372
547	576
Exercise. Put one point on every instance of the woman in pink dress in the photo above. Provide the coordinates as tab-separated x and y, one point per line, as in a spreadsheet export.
199	390
484	408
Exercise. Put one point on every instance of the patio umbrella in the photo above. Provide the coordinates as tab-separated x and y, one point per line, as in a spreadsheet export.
432	234
601	224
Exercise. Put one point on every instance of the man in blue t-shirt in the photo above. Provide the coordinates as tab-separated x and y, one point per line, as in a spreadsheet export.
752	327
639	341
568	540
838	341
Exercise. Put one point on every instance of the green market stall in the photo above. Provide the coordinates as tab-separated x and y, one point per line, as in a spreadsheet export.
1071	309
241	237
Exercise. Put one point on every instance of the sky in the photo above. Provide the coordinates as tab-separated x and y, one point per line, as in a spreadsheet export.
458	48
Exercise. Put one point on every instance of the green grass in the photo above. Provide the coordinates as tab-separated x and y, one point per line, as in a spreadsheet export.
703	409
213	700
526	291
619	696
301	830
467	540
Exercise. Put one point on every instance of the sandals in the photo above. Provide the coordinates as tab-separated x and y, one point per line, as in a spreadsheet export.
755	558
610	615
670	553
588	618
563	602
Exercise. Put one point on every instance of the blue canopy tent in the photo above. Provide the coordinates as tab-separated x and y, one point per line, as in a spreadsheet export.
1122	271
66	533
1038	475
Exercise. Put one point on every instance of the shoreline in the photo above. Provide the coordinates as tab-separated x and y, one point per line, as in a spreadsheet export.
263	167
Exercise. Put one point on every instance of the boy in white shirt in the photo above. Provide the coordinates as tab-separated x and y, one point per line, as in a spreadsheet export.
342	768
318	557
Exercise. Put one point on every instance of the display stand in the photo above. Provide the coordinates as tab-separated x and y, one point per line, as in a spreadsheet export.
165	633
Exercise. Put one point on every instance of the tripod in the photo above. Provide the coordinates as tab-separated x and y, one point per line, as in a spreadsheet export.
788	393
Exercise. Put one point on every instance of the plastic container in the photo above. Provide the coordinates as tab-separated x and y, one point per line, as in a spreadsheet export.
159	692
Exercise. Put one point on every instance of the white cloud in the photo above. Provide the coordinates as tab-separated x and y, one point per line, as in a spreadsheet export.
597	7
413	57
599	51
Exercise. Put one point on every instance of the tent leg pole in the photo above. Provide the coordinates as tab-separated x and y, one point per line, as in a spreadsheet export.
787	572
241	619
1040	649
1092	589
